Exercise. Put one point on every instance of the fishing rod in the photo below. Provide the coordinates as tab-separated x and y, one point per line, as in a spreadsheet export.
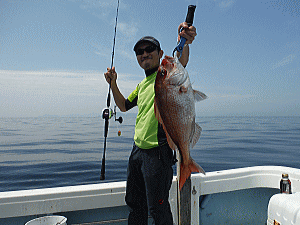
108	113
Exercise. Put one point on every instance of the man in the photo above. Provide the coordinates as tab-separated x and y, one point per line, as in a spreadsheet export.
150	170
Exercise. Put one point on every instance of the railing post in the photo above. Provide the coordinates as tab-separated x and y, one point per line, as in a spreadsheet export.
185	203
195	199
184	198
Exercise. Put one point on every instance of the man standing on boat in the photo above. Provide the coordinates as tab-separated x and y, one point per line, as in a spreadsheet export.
150	172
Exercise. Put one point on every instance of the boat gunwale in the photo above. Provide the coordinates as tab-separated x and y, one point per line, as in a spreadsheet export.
105	195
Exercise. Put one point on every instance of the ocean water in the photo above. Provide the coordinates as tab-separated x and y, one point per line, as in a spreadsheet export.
42	152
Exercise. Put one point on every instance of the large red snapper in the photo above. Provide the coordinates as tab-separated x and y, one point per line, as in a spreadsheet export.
175	110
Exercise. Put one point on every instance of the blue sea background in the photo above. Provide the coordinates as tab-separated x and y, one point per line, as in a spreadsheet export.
51	151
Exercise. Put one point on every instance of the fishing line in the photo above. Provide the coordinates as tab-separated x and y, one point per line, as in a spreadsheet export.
113	53
108	113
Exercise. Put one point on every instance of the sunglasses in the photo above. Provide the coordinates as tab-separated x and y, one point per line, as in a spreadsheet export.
148	49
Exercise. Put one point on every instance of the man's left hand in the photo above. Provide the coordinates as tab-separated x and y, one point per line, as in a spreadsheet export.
189	33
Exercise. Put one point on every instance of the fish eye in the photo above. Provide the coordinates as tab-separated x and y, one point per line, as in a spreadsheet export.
163	72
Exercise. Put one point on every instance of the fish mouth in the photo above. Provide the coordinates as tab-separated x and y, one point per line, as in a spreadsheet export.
169	70
168	63
169	59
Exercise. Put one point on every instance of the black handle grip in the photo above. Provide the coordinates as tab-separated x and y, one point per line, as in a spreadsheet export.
190	15
106	127
102	174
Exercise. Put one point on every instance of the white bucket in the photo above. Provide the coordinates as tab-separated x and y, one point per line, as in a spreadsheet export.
48	220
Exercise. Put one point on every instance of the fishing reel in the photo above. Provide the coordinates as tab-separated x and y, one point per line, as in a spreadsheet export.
108	113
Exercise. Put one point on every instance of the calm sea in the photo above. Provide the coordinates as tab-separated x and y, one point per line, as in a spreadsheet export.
40	152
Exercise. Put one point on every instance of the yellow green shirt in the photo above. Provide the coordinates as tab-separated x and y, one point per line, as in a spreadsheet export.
148	132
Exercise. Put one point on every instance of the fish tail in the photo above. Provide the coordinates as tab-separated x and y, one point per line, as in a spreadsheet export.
186	171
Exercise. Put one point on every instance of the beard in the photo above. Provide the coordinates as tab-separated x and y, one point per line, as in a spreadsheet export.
149	64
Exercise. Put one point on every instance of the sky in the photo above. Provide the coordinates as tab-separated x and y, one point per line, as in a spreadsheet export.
53	54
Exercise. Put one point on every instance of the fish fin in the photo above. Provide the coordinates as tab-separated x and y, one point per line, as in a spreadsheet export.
186	171
159	119
157	114
196	136
199	96
170	141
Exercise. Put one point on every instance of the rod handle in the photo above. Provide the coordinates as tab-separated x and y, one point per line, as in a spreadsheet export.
190	15
102	175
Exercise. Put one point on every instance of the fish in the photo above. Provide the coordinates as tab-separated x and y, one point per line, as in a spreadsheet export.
174	107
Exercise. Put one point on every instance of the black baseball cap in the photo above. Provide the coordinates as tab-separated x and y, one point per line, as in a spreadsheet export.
150	39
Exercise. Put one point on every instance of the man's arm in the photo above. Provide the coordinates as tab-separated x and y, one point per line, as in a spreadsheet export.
184	59
189	33
111	76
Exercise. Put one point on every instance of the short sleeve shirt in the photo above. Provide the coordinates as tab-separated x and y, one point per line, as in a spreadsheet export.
148	132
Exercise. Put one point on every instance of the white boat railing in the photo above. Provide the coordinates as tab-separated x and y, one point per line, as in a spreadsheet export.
103	195
239	179
61	199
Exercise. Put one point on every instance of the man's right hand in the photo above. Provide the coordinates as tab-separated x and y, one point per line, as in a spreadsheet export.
110	75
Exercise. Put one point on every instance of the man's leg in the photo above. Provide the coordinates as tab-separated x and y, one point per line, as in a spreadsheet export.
135	190
158	175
